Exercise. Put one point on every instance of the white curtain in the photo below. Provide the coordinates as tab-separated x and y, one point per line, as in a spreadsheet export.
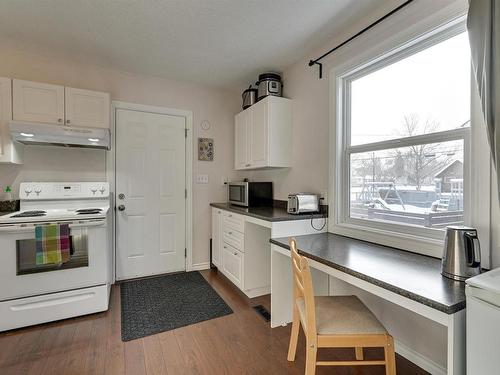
483	24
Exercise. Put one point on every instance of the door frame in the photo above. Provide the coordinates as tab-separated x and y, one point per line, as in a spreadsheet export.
111	169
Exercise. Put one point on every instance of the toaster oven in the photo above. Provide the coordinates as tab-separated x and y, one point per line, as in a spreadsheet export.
300	203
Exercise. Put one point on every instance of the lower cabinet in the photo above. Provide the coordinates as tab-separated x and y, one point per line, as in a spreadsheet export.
216	237
228	245
241	249
232	264
241	252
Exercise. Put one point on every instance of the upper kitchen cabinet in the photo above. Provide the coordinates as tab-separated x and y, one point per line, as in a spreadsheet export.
242	122
53	104
87	108
10	152
263	135
37	102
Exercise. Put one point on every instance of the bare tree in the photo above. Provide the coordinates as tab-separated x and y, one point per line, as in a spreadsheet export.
420	160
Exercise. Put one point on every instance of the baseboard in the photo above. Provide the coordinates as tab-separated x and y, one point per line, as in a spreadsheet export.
257	292
200	266
418	359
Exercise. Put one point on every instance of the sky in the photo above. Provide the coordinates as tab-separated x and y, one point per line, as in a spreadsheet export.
433	84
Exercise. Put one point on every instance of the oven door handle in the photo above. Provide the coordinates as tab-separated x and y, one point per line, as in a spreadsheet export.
31	229
96	223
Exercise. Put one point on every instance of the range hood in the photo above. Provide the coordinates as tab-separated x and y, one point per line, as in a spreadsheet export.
56	135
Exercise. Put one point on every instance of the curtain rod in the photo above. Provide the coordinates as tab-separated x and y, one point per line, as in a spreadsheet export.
316	61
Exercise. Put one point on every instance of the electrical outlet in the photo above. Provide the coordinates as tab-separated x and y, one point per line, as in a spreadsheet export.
202	179
324	195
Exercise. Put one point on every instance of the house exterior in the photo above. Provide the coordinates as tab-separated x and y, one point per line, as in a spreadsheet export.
443	178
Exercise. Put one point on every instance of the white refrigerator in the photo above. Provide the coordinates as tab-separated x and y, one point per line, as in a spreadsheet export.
483	323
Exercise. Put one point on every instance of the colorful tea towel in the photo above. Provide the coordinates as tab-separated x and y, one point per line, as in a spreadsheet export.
52	244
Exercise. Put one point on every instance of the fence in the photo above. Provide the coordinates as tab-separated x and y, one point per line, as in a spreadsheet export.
430	220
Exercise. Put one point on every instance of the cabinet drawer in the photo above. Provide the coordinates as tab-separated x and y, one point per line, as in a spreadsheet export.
234	221
232	264
234	238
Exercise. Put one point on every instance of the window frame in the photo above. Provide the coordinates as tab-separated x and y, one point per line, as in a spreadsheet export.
414	238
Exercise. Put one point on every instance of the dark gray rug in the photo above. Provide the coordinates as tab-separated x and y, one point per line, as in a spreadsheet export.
167	302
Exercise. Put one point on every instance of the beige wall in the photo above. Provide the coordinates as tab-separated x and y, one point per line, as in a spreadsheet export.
59	164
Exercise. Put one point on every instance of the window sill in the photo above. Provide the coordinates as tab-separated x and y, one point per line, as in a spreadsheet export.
403	241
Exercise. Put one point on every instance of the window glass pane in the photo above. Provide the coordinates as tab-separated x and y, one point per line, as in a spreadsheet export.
418	185
424	93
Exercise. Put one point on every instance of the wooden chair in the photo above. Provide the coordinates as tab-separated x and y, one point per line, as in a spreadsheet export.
334	322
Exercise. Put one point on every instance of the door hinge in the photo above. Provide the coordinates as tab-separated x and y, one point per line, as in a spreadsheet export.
185	133
185	253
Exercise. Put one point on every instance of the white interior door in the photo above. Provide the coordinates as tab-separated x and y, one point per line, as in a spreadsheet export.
151	212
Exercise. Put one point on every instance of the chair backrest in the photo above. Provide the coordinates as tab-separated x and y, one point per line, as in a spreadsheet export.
303	288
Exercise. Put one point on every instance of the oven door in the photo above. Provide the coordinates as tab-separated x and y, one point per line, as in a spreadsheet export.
238	194
20	276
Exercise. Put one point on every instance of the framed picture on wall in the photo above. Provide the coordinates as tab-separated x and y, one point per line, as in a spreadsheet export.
206	149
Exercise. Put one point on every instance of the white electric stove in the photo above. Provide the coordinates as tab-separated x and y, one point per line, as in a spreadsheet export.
33	294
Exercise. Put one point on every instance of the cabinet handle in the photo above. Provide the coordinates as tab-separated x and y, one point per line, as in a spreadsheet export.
230	232
225	247
248	165
68	122
59	120
230	215
235	253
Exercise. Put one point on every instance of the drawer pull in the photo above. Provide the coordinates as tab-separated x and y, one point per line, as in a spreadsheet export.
230	232
235	253
225	247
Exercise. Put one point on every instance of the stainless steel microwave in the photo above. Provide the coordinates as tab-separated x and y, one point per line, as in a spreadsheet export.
250	194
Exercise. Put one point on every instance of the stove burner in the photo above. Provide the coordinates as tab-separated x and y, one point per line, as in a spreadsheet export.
89	211
30	214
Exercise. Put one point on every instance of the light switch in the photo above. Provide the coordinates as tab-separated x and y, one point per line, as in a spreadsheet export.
202	179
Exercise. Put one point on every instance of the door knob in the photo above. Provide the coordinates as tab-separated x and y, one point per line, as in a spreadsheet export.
121	196
121	207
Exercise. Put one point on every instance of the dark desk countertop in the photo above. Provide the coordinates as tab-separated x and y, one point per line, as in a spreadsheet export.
417	277
266	213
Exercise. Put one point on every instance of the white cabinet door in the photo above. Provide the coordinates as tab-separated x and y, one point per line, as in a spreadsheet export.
232	265
87	108
258	140
241	154
263	135
38	102
216	236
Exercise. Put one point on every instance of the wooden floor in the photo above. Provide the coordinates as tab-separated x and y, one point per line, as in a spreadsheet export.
240	343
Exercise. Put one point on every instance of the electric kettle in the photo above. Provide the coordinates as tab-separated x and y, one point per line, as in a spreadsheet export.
462	253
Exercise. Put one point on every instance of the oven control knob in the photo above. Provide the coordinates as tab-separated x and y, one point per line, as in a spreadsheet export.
93	190
38	190
28	190
102	190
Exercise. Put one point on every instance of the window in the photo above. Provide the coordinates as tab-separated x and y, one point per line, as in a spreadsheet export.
403	141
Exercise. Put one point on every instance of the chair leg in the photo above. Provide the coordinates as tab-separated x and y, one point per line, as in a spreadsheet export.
359	354
311	352
294	335
390	357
